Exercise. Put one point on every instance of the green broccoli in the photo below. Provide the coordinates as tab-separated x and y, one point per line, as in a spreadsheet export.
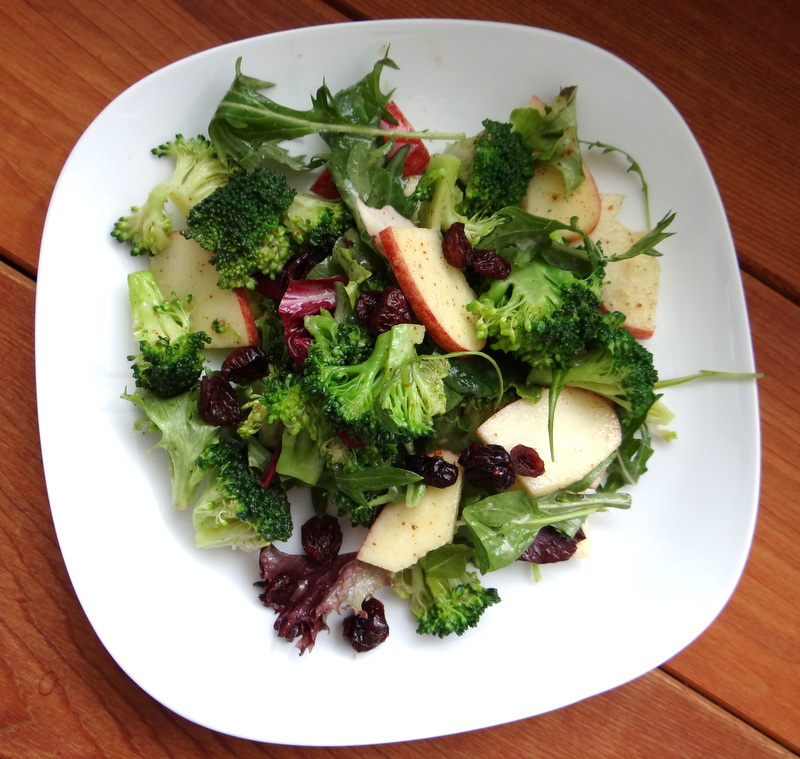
496	167
241	224
337	342
440	199
614	365
285	399
184	436
445	596
198	172
361	399
315	222
541	312
234	509
170	357
414	394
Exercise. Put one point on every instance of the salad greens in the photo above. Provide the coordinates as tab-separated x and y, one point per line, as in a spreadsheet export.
351	390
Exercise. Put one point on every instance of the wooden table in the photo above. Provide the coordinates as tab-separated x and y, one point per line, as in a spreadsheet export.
733	70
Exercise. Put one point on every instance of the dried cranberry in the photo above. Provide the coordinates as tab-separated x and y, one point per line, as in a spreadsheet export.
456	247
551	545
487	466
322	538
391	308
364	633
218	404
434	470
526	462
490	264
245	364
366	304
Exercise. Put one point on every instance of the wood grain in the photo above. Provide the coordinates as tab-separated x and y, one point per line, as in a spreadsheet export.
70	59
759	674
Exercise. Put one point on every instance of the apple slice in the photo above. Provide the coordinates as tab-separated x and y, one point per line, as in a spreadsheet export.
547	196
401	535
375	220
537	103
226	316
586	431
438	293
417	158
632	285
325	187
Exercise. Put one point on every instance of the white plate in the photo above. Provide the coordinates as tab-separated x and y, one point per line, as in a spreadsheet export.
187	626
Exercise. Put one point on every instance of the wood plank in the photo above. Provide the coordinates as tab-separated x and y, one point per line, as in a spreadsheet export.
72	58
759	674
63	694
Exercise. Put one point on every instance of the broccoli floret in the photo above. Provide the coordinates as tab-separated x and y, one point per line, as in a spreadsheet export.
414	395
542	313
614	365
198	172
146	227
234	509
184	436
496	167
315	222
445	596
241	224
361	399
287	401
440	199
170	356
336	342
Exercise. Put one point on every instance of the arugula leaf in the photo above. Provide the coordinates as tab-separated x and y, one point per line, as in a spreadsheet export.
358	483
502	526
554	136
360	170
629	462
645	245
633	165
248	126
523	230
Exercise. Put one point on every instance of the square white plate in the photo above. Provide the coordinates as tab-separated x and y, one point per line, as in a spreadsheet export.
187	625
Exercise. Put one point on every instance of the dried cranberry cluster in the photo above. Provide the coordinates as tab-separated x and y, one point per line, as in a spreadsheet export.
219	404
381	310
492	466
459	253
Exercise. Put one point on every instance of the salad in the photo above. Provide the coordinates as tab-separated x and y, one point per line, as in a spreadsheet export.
444	346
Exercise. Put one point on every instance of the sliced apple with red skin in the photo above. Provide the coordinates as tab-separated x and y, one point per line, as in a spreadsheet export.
547	196
437	292
325	187
375	220
547	193
400	535
226	316
586	431
632	284
417	158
